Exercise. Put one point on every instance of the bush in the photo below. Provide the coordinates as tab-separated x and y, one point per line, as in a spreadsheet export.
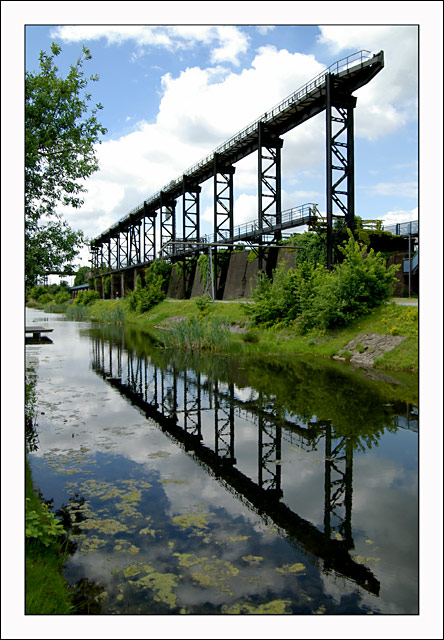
86	297
317	298
61	297
46	298
142	299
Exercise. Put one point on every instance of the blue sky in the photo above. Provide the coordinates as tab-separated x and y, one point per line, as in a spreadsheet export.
172	94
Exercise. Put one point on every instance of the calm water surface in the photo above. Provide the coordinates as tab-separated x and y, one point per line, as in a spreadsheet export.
218	485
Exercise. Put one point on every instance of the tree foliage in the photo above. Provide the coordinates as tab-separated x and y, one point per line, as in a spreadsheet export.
60	136
81	276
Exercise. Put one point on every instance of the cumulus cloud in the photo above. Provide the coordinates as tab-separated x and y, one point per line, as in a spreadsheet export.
200	109
228	41
391	98
401	215
404	189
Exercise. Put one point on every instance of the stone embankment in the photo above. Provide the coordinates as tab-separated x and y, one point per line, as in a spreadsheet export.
368	347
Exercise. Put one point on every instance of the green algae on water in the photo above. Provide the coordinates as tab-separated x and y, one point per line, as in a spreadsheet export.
275	607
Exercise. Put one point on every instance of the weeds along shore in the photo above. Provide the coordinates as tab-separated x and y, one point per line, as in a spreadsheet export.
227	327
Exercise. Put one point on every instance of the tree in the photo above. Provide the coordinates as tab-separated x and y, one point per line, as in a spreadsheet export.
60	133
81	276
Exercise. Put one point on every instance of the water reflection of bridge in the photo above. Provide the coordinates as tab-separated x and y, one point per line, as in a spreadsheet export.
200	414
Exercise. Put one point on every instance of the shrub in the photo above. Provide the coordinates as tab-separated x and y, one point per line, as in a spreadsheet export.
86	297
203	304
46	298
142	299
61	297
317	298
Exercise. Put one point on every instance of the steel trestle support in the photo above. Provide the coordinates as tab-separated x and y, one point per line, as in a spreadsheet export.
340	181
269	183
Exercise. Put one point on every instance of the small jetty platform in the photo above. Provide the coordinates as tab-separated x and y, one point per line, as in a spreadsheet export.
37	331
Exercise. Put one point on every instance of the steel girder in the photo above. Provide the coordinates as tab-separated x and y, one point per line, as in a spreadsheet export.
340	181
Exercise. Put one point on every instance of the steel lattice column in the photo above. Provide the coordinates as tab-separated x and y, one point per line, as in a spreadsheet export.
94	257
340	162
167	225
269	183
114	252
223	207
191	210
124	249
149	235
134	243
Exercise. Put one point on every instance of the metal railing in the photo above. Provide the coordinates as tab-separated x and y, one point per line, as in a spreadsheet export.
402	228
294	216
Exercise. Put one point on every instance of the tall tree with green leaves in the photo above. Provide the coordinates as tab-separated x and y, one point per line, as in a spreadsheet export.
61	131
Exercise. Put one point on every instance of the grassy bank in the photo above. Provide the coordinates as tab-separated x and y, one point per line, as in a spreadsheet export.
46	590
169	315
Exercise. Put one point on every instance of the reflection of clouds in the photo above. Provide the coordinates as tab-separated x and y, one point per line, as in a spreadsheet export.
385	509
84	416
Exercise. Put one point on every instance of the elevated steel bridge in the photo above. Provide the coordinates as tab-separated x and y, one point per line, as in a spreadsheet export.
134	240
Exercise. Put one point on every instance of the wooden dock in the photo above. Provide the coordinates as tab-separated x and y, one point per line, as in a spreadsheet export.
37	331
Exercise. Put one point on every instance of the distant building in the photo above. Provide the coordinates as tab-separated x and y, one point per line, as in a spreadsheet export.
76	290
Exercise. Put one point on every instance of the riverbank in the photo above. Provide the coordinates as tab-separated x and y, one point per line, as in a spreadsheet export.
390	319
46	590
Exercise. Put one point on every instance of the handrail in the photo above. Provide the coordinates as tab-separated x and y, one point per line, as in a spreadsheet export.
294	214
402	228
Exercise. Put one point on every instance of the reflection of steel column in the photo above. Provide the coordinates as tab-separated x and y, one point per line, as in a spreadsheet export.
224	427
338	491
327	481
348	493
192	406
270	443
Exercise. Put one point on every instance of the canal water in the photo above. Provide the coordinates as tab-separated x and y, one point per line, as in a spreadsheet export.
224	485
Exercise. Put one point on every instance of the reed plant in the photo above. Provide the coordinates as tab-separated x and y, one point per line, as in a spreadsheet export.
209	334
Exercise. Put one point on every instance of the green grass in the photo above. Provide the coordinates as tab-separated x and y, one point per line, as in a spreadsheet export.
46	590
281	339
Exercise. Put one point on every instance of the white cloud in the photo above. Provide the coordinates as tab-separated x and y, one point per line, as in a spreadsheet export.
229	41
401	215
200	109
403	189
390	99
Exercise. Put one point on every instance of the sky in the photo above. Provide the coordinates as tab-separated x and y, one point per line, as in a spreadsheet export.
172	94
